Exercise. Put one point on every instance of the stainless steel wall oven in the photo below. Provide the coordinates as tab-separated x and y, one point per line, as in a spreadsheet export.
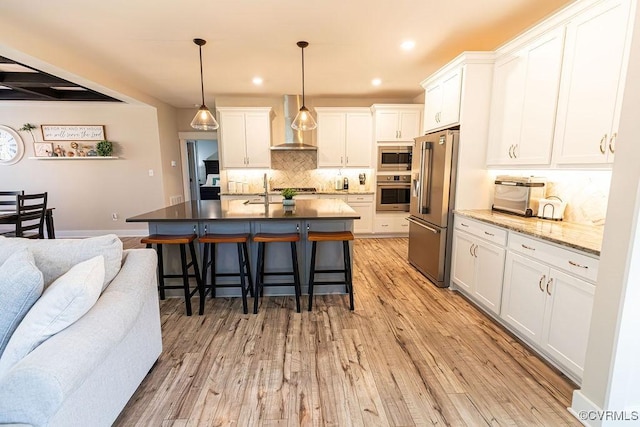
393	193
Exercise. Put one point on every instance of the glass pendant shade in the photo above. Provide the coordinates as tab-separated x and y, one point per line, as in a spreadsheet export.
204	120
304	120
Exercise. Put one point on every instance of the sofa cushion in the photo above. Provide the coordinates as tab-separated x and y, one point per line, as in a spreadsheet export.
21	285
54	257
61	304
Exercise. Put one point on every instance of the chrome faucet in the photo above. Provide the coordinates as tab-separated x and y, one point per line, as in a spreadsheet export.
266	192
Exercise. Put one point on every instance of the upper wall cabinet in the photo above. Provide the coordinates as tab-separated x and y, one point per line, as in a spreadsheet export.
592	84
344	137
397	122
442	101
245	137
523	102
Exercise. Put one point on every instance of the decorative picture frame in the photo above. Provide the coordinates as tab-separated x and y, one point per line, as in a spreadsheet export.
42	149
72	132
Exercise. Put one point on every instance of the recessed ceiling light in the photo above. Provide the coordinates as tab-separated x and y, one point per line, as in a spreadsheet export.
376	82
408	45
257	81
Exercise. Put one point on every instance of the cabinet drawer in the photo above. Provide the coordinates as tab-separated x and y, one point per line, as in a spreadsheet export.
484	231
575	263
359	198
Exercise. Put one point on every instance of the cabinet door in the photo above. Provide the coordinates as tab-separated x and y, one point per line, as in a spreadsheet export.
364	225
387	126
567	319
524	295
590	91
232	140
489	273
463	261
331	139
432	106
450	109
359	143
258	134
409	126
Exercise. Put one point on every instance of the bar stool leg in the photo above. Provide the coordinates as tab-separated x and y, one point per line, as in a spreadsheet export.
312	273
247	264
296	275
160	270
347	272
242	280
213	271
205	266
259	277
185	278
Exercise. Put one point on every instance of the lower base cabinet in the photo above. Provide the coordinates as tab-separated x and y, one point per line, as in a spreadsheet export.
391	223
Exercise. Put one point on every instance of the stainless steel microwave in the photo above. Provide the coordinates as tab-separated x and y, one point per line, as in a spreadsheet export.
394	158
518	195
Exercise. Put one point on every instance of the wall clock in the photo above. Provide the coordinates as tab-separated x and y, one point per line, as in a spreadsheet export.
11	146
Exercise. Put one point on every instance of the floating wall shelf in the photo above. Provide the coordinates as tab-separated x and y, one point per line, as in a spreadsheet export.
75	158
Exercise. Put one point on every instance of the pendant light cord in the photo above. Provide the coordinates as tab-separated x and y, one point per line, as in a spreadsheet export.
201	78
303	77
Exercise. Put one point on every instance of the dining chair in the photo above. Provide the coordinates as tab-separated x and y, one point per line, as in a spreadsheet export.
31	214
8	202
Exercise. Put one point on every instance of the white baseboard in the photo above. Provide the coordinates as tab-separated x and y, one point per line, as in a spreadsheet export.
580	404
71	234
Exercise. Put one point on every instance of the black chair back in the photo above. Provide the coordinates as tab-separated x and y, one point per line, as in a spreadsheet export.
9	200
31	213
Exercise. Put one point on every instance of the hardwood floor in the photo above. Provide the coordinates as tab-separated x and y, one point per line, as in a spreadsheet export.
410	354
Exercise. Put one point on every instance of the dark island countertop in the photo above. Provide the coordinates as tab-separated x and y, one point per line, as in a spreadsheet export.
586	238
239	210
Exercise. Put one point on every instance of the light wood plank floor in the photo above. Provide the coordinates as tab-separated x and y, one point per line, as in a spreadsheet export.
410	354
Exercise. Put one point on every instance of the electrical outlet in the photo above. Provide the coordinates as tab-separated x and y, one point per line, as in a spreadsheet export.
150	172
114	216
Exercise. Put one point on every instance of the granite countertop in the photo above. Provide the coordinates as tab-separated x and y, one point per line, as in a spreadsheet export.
587	238
277	193
239	210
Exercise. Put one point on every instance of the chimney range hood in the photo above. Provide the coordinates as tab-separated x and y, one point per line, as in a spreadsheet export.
292	138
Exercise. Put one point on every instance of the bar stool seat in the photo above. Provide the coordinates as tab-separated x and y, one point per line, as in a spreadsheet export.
262	239
182	241
331	236
209	260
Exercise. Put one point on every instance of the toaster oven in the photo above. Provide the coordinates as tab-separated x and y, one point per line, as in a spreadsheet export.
518	195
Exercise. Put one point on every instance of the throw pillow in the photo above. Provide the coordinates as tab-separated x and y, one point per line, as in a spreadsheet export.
21	285
54	257
61	304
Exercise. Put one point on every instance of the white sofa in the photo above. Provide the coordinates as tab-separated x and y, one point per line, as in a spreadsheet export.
85	374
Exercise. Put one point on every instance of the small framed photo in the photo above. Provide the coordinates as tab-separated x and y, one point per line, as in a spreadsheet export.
42	149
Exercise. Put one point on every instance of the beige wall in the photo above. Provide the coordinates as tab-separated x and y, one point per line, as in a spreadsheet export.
85	193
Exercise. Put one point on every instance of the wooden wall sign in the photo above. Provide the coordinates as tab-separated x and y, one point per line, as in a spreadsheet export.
72	132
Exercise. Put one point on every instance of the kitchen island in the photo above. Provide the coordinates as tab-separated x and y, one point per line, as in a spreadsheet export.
238	216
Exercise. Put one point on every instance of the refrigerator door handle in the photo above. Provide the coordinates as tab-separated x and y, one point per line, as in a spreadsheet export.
413	221
425	178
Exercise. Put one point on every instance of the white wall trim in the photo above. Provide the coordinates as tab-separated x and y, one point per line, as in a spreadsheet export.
581	404
72	234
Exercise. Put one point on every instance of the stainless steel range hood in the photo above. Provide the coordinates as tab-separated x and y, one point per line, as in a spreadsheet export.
293	140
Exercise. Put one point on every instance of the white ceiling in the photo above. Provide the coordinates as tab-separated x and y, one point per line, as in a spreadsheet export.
148	43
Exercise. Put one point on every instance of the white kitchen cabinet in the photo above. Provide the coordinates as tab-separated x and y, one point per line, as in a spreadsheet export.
523	103
245	137
594	69
477	264
548	306
442	101
344	137
397	122
391	223
363	205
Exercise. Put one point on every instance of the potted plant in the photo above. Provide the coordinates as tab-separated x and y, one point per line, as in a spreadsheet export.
28	127
104	148
288	194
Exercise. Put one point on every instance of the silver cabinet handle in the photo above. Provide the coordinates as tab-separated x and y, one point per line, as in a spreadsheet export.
603	143
489	234
471	249
544	276
346	160
612	141
341	159
400	134
575	264
528	247
463	224
549	282
515	147
510	151
433	230
475	253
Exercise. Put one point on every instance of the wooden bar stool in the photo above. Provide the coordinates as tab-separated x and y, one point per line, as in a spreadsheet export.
262	239
209	259
182	240
331	236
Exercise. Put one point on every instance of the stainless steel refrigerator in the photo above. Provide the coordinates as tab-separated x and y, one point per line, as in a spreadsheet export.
433	175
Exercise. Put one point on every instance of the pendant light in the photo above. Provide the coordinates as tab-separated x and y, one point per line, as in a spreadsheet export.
304	120
203	120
